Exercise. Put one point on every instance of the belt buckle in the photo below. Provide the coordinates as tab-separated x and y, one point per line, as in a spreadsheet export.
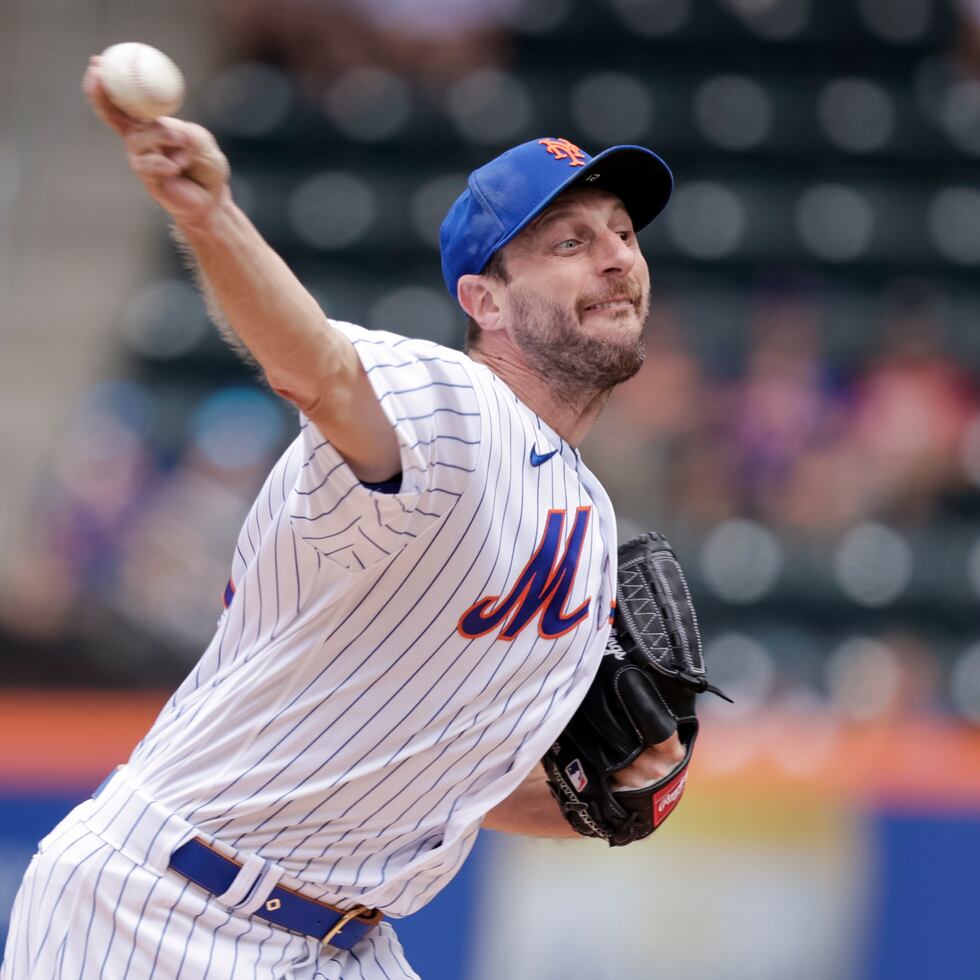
354	913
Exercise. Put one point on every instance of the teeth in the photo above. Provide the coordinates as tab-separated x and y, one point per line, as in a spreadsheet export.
612	304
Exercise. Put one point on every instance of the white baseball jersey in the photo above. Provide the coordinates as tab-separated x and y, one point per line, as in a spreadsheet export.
391	665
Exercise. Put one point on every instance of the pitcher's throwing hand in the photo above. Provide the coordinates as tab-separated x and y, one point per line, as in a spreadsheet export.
179	162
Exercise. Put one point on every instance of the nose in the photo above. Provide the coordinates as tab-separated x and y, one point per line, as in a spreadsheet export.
613	255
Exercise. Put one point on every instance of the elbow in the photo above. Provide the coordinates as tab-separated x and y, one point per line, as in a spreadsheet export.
301	393
306	388
316	377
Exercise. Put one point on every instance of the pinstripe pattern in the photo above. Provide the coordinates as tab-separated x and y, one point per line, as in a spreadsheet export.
97	902
166	929
339	724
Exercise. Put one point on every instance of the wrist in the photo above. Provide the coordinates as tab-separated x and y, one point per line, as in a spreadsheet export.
213	224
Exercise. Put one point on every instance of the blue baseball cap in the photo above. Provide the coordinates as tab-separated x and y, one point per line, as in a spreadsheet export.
510	191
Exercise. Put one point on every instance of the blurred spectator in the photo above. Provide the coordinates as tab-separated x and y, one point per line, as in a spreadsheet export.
117	532
792	443
784	415
174	560
912	408
99	479
768	443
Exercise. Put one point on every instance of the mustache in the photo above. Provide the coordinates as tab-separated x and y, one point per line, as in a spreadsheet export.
624	289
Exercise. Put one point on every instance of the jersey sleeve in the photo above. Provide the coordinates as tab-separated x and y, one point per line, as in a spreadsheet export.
427	393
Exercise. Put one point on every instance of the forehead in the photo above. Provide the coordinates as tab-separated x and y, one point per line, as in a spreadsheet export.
577	202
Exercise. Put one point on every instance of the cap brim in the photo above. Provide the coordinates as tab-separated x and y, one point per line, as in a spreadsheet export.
636	175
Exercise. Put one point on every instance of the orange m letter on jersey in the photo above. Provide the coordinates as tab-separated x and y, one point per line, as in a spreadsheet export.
542	588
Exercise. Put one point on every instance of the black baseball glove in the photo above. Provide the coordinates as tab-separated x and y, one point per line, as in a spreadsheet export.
645	690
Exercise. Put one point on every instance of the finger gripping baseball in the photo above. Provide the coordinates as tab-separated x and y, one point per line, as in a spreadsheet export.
644	691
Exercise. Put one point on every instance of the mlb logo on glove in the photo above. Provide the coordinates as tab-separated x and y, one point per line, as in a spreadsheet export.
576	775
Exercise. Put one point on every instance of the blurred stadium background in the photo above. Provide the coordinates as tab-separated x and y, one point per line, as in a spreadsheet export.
806	429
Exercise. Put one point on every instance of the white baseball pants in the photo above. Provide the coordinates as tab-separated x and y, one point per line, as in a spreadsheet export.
98	902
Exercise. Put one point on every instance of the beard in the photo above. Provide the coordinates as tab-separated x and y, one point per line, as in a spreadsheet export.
569	359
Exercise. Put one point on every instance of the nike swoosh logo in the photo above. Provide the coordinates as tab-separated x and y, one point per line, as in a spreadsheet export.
538	458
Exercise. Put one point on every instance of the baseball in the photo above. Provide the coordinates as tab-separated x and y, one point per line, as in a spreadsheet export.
141	80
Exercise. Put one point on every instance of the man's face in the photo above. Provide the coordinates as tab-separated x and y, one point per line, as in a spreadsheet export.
578	292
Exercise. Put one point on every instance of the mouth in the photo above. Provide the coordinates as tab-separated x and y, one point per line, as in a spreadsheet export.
621	304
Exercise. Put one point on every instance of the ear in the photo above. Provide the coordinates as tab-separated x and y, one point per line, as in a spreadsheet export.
477	295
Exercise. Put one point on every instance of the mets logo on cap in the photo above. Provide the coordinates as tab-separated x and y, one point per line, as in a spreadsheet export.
562	149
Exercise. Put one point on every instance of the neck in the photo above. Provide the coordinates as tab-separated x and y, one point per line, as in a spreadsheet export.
570	414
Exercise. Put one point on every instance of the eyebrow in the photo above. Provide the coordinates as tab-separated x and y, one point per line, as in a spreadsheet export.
557	212
552	214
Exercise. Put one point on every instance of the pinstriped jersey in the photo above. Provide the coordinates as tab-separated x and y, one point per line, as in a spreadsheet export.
391	665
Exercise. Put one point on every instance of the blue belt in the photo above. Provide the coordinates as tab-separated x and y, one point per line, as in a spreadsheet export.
285	908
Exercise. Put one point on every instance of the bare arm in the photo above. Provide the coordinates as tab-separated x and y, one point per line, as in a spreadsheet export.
215	313
532	811
271	313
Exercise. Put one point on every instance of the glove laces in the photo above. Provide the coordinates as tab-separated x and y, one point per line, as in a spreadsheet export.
700	684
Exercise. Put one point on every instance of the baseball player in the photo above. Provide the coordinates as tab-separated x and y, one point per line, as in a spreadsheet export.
418	600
